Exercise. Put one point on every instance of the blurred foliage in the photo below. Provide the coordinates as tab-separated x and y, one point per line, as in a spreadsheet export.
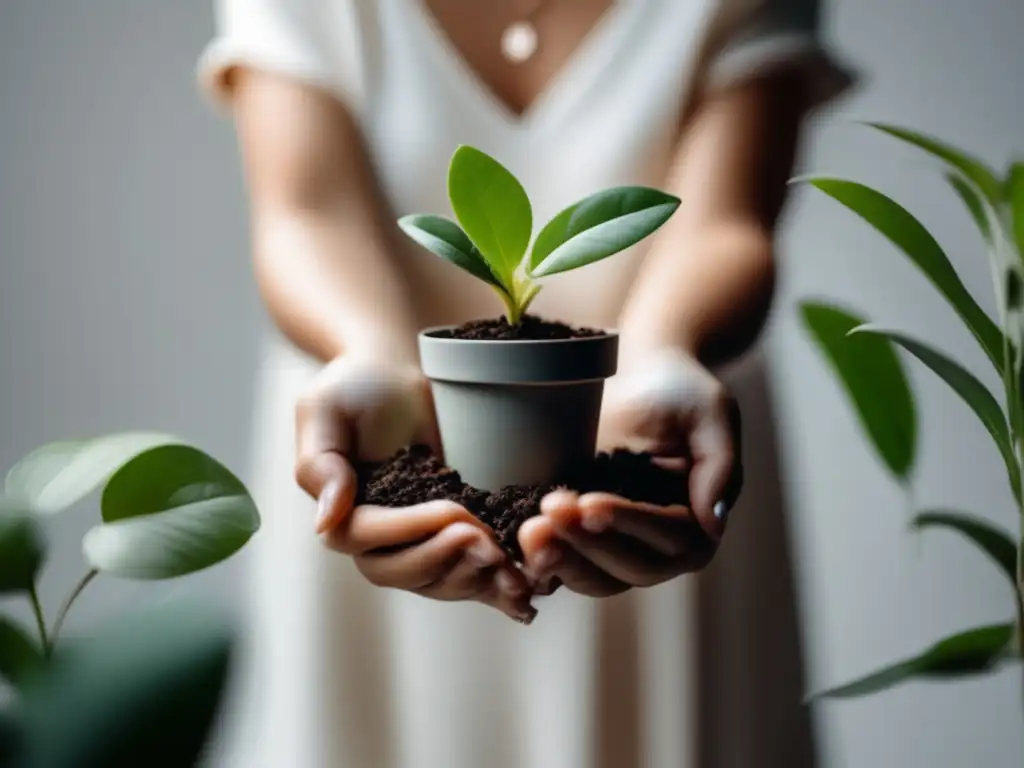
143	690
866	361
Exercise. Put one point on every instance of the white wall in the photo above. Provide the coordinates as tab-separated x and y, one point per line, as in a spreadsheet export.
126	301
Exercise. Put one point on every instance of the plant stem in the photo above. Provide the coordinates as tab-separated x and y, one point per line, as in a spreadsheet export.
511	307
67	605
1015	409
37	609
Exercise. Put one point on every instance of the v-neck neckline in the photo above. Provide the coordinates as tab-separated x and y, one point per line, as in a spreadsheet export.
610	23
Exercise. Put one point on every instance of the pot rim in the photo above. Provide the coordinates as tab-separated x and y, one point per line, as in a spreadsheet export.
606	333
518	361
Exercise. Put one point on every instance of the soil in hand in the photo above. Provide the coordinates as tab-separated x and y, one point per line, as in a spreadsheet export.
530	328
415	475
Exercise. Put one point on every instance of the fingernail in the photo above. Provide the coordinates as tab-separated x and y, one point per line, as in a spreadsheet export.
483	554
508	585
547	559
597	522
326	502
526	617
721	511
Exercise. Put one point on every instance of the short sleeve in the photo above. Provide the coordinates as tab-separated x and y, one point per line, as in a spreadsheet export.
756	37
310	40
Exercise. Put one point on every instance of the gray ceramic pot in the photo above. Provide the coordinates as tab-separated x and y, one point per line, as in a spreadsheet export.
517	412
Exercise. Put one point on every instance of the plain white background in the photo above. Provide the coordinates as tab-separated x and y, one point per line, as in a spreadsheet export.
126	301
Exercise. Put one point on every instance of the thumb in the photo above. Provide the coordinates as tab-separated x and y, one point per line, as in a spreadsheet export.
716	476
331	480
321	469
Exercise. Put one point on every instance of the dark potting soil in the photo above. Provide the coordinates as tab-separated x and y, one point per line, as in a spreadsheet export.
415	475
530	328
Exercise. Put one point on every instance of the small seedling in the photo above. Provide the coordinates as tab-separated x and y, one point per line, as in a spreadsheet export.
491	240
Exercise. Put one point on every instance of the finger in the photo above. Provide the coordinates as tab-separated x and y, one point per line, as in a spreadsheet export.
320	429
449	563
621	557
561	504
715	448
551	563
547	587
474	574
558	557
321	470
541	550
372	527
468	577
664	529
580	575
333	483
511	594
677	464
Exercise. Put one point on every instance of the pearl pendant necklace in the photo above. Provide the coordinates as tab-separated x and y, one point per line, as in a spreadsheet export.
519	41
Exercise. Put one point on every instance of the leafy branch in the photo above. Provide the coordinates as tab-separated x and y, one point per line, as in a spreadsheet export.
167	510
865	360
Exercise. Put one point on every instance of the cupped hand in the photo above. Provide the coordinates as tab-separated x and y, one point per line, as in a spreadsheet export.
599	544
357	410
437	550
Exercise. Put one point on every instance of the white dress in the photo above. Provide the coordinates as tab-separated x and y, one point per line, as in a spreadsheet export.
700	671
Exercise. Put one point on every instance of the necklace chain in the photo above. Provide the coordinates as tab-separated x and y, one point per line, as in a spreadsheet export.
528	16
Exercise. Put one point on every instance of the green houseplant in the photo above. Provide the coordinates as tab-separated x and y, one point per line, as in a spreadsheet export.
866	359
142	690
492	239
536	399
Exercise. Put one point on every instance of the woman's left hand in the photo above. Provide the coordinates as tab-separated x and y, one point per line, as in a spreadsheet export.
599	544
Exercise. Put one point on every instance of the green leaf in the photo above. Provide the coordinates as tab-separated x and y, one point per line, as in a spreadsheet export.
872	375
170	511
168	477
971	167
970	653
1015	194
493	209
970	390
20	657
10	738
143	691
22	547
910	236
599	226
173	543
972	201
996	543
446	239
57	475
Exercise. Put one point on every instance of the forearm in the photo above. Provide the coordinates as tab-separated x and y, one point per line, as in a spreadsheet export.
707	283
706	292
324	241
330	285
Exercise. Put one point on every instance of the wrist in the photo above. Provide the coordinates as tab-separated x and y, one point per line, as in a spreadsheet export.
382	344
637	346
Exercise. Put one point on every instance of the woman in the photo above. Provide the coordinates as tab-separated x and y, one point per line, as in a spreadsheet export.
347	113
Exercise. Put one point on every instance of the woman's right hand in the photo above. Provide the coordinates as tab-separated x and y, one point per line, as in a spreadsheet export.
367	410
